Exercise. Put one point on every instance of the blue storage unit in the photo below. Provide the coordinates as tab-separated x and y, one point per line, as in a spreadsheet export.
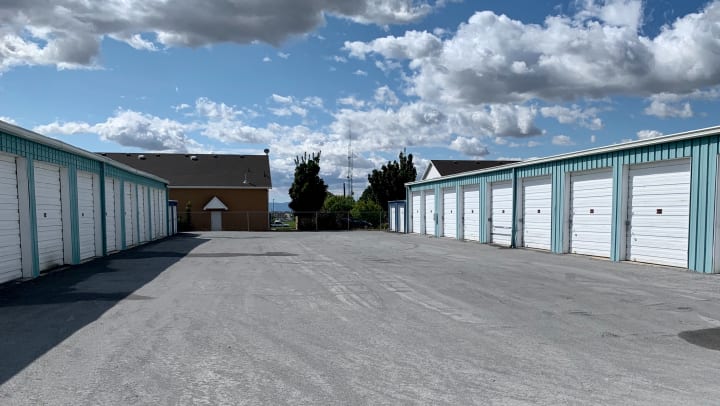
397	216
63	205
661	206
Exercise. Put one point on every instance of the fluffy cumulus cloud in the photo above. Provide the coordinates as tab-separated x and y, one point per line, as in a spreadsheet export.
647	134
68	33
562	140
472	147
600	51
574	115
132	129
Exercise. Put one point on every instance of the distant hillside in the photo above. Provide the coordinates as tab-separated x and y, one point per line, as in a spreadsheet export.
279	206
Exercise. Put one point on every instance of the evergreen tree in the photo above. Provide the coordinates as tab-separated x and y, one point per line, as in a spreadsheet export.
388	183
308	191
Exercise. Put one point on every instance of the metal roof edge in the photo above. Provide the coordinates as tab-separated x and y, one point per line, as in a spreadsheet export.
20	132
587	152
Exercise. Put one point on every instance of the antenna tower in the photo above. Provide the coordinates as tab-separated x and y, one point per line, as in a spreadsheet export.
350	164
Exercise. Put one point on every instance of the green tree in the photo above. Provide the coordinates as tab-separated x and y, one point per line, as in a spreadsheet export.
367	210
308	190
334	204
388	183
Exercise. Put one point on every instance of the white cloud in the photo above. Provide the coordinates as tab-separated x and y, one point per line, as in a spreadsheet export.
647	134
7	120
593	138
598	52
68	33
351	101
283	55
562	140
360	72
385	95
181	107
663	109
339	59
132	129
472	147
267	59
282	99
574	114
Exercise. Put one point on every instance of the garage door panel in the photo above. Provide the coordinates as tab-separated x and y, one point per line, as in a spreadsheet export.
501	197
658	213
48	206
591	213
537	219
429	213
450	213
471	213
416	213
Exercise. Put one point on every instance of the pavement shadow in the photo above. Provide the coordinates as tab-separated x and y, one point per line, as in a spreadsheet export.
707	338
38	314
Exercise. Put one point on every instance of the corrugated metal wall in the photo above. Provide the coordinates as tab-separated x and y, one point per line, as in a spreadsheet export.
702	150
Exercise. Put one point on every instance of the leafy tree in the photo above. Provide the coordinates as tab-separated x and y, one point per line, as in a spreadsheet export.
308	191
335	203
388	183
367	194
367	210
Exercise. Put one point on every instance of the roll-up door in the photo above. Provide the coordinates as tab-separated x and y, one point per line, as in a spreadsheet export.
450	212
10	251
471	213
537	213
111	212
430	212
392	217
153	213
416	212
501	201
130	214
659	213
164	213
86	214
401	218
142	214
591	213
48	209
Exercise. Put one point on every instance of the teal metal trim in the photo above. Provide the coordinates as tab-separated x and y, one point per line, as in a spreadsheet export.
74	215
514	230
33	218
103	210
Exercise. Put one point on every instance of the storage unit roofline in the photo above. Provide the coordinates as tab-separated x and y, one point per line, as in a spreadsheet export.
588	152
51	142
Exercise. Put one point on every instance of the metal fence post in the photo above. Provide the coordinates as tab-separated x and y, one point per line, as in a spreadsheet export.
316	221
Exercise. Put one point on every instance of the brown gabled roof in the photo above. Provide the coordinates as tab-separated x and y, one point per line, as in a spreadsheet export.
202	170
451	167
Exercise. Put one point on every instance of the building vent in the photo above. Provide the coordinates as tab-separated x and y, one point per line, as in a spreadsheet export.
141	156
194	158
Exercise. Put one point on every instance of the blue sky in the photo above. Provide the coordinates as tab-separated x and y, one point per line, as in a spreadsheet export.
443	79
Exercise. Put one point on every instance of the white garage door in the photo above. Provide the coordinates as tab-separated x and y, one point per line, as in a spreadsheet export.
48	209
450	213
537	208
130	210
659	213
86	214
153	213
591	213
415	212
401	227
471	213
10	253
163	213
430	213
501	213
111	211
392	217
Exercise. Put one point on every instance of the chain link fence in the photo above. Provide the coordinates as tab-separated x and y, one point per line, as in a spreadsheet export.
220	220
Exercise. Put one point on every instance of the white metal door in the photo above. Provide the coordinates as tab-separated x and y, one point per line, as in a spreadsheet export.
163	213
48	211
10	252
591	213
130	216
86	214
392	217
110	214
471	213
142	214
659	213
401	227
430	213
501	201
450	213
416	213
216	220
537	209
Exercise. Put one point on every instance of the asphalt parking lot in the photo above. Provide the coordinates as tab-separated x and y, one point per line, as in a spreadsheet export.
357	318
